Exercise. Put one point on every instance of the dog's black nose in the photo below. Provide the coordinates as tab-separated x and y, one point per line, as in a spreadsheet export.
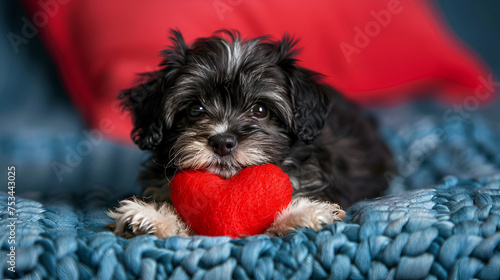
223	144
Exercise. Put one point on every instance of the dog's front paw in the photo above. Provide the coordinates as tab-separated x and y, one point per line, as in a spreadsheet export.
135	217
305	213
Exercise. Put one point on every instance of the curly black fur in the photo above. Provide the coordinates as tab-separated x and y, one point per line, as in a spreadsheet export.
326	144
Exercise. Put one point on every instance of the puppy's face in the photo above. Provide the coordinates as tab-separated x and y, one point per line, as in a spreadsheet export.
222	105
228	111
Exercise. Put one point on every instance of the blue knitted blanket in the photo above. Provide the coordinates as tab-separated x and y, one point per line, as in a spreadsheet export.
439	220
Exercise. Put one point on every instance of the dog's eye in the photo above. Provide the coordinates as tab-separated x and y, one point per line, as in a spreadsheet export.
259	111
196	110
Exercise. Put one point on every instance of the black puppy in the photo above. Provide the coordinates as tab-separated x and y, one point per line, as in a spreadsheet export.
226	104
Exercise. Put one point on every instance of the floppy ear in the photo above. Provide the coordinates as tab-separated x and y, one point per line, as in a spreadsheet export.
310	98
311	104
146	101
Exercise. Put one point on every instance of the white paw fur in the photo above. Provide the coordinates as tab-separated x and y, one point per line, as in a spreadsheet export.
136	217
305	213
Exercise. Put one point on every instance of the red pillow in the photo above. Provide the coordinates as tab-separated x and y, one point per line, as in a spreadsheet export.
373	51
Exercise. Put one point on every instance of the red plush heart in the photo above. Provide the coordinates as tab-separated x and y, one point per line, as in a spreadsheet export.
243	205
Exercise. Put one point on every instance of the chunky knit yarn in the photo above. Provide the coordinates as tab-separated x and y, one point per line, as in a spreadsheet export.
425	229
